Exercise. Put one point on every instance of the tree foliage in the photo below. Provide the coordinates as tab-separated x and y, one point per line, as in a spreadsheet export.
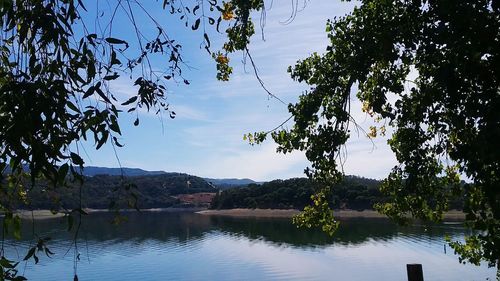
56	77
430	71
113	192
352	193
55	92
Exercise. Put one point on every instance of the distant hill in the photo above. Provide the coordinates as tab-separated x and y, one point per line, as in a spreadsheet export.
98	191
91	171
357	193
352	193
159	189
230	183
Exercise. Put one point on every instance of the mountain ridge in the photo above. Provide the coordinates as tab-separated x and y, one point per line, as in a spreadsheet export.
222	183
91	171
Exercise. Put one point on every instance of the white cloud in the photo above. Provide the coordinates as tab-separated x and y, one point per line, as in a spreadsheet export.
189	112
369	160
206	137
258	163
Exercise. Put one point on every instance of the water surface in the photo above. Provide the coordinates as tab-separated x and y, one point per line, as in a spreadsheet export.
189	246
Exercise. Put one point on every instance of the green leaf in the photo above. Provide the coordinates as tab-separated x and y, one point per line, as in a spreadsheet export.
30	253
207	39
89	92
116	142
131	100
76	159
195	9
73	107
16	231
63	172
102	95
115	41
114	60
48	252
102	140
81	4
91	71
196	24
111	77
6	263
114	126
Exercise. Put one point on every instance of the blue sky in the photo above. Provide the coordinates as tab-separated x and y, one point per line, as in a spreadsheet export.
206	137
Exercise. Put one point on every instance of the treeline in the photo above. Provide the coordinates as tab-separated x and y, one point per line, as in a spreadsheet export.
111	191
356	193
352	193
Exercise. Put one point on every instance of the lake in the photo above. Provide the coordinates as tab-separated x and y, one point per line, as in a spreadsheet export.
189	246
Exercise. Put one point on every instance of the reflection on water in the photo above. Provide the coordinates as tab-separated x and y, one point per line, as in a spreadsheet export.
188	246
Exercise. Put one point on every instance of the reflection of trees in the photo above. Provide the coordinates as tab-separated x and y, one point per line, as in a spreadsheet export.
186	227
161	226
351	232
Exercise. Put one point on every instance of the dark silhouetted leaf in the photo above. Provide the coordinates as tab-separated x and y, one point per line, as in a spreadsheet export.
115	41
131	100
196	24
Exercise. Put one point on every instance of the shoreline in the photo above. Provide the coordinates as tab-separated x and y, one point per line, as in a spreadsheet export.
251	213
452	215
47	214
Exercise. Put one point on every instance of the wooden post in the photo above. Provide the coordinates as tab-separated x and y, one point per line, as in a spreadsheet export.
415	272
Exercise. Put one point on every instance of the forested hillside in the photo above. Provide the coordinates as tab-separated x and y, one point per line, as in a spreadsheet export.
352	193
130	172
105	191
229	183
160	191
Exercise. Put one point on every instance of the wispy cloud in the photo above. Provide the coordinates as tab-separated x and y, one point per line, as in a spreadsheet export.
206	137
258	163
190	113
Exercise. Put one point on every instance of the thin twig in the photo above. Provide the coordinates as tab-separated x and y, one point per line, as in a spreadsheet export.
259	79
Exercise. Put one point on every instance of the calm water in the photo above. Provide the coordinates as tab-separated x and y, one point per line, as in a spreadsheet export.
187	246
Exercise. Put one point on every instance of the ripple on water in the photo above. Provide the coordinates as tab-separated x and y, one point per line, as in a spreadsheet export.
229	250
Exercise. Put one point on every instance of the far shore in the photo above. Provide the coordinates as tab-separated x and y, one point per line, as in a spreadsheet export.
288	213
37	214
453	215
47	214
260	213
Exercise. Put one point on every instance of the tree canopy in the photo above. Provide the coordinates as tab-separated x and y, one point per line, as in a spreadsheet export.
56	75
444	125
55	92
352	193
